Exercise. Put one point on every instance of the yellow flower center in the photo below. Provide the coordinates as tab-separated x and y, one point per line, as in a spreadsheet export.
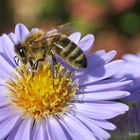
41	95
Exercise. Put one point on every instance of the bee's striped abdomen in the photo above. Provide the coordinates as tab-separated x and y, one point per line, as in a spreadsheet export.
77	58
70	52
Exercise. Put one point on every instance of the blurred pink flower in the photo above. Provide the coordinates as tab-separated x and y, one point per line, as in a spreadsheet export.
87	10
121	5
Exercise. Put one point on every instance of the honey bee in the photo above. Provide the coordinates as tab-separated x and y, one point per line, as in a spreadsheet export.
39	45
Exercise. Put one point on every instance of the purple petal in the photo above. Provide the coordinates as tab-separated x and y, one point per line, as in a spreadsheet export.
48	130
53	126
86	42
98	132
73	135
75	37
40	131
130	71
101	106
104	124
35	30
101	60
6	69
95	60
104	95
4	76
13	38
3	100
1	48
5	113
8	47
102	72
7	125
132	58
21	32
95	56
13	132
2	81
100	52
105	87
76	129
24	131
3	90
96	114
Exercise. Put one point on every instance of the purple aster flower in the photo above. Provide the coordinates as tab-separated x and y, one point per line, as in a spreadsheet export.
131	71
75	105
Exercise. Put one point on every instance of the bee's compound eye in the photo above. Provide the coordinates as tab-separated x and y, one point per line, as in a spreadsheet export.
22	52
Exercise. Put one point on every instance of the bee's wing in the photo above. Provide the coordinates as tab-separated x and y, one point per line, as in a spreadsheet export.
66	29
52	33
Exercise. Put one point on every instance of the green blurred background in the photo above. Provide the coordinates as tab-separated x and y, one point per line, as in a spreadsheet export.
115	23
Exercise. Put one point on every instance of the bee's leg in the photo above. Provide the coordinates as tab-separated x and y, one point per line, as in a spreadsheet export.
16	59
32	67
55	64
36	65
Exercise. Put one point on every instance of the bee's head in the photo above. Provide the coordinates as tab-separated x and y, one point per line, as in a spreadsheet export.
21	53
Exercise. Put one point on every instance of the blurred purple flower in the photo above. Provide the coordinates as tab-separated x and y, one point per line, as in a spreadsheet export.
92	106
131	71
